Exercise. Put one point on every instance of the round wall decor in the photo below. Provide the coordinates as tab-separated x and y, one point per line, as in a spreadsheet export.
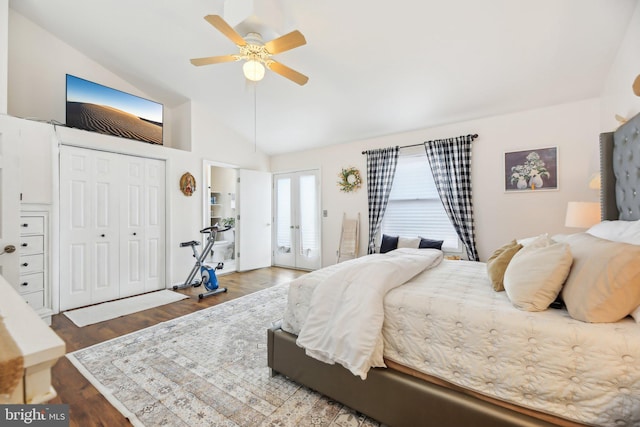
187	184
349	180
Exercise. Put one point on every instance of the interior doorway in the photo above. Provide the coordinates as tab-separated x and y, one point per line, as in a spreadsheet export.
219	208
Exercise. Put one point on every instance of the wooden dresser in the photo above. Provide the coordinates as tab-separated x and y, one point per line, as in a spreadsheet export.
39	345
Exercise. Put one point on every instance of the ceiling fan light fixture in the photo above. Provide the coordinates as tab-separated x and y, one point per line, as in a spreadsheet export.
253	70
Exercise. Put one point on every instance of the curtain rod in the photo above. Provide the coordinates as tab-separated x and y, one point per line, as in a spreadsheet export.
474	136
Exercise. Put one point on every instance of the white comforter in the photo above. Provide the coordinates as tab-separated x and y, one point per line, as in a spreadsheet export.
449	323
344	322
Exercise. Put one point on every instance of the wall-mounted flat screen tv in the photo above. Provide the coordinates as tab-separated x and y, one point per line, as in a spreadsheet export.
97	108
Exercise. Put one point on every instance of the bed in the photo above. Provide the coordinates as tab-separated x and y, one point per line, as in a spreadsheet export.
459	353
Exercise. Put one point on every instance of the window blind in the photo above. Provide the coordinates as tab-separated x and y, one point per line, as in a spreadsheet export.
414	207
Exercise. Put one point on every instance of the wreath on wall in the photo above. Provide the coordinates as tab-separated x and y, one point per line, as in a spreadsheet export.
349	180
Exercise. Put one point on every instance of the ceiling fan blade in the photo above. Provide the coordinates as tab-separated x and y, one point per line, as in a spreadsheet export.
226	29
286	42
288	73
214	60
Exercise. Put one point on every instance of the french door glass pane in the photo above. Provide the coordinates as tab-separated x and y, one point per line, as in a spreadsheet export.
309	242
283	209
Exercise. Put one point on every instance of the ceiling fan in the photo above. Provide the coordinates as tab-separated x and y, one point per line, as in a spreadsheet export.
255	52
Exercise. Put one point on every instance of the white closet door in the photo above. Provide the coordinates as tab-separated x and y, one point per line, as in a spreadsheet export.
155	206
132	235
89	227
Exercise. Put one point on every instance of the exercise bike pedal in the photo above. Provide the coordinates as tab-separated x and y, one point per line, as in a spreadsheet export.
220	266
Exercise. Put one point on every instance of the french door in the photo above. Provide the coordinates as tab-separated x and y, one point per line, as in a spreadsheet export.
297	241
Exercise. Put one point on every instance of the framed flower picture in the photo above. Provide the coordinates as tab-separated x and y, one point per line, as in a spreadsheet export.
531	170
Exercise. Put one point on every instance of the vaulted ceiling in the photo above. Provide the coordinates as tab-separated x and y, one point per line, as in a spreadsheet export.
375	68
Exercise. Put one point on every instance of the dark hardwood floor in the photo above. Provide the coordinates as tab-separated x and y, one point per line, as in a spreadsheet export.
87	406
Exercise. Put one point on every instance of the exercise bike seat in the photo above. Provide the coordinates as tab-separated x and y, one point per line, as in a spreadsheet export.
191	243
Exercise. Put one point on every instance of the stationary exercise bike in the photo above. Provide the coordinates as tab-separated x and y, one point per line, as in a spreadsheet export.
208	276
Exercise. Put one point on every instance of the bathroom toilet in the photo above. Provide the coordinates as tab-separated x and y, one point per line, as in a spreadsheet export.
221	251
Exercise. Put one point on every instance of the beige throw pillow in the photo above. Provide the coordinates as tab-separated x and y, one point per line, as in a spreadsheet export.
535	275
498	262
604	284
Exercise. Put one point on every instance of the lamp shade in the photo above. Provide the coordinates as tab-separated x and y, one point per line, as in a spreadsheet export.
253	70
582	214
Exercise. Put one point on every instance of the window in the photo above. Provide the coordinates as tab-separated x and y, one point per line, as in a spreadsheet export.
414	207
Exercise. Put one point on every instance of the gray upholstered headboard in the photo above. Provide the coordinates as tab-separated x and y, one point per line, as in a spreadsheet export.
620	172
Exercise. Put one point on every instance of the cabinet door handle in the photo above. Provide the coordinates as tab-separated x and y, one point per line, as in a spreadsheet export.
25	264
25	225
135	234
24	284
102	235
24	245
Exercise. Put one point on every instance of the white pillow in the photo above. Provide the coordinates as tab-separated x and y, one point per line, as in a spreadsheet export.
617	231
408	242
535	275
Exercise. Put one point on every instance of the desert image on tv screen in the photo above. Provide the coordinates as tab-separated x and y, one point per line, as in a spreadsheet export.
97	108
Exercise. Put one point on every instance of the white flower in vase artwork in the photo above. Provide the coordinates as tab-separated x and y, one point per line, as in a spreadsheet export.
530	174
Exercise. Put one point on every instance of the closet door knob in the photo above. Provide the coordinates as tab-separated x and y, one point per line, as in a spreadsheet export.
102	235
25	284
24	245
25	264
135	234
25	225
9	249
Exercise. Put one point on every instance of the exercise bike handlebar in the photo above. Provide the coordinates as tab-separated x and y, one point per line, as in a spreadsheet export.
217	229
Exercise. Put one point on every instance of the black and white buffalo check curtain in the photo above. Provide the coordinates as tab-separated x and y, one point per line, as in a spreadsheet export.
381	167
450	161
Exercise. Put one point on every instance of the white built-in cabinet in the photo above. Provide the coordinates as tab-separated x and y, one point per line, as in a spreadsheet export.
112	226
26	188
33	285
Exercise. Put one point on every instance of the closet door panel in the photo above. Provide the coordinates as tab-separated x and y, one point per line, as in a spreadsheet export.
106	227
88	227
76	236
79	277
112	214
132	254
154	224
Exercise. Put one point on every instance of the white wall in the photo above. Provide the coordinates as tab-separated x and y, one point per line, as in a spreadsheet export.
4	54
500	217
618	97
38	62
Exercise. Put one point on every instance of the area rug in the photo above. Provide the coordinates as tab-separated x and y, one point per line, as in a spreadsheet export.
112	309
208	368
